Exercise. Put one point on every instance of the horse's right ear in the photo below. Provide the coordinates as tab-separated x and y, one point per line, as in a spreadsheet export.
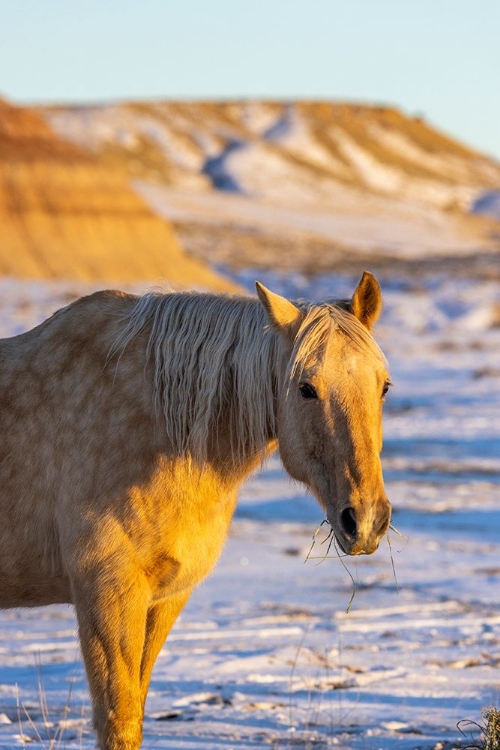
283	315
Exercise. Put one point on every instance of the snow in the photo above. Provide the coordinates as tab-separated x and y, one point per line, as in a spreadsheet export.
488	204
293	133
265	655
176	149
284	153
361	224
440	163
371	170
257	170
394	180
258	116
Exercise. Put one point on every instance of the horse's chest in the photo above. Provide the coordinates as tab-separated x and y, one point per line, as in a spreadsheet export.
191	545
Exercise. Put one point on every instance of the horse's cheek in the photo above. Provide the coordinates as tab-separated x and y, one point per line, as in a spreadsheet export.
301	444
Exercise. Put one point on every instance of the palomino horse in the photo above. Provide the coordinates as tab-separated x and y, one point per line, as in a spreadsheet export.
128	425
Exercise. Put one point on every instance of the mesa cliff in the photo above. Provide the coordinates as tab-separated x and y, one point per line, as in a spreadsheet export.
66	214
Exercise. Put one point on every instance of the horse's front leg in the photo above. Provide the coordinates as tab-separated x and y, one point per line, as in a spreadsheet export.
111	605
161	616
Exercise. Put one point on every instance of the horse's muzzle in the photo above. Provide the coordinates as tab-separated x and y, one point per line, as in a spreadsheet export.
354	537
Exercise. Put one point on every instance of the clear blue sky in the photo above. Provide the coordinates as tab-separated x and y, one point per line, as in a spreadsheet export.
439	58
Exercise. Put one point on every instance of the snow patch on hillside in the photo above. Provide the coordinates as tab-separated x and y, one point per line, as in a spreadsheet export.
487	204
314	159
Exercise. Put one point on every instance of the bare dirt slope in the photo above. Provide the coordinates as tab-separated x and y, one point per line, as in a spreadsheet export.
64	214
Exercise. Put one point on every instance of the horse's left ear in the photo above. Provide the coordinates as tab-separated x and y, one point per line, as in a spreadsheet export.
283	315
366	302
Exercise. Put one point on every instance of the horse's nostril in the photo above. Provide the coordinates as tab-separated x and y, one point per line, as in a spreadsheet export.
348	523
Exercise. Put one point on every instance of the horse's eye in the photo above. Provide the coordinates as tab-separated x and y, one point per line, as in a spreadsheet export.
385	389
307	391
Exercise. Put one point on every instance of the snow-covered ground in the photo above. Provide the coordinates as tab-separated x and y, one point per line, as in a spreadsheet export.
401	229
265	654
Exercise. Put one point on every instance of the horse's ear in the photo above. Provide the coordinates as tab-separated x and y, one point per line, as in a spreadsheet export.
283	315
366	302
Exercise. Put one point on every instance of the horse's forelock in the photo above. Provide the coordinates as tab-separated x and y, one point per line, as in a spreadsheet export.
356	332
319	322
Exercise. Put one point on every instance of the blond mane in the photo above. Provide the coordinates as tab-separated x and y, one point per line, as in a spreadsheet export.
216	360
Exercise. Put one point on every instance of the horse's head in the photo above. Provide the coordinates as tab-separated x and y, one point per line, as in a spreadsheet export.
329	414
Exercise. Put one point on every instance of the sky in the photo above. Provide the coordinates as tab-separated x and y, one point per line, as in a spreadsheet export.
436	58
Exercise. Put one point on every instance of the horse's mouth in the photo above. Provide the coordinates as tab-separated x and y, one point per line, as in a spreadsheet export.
352	547
342	545
352	537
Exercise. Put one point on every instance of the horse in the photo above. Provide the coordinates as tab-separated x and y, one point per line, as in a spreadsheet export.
128	425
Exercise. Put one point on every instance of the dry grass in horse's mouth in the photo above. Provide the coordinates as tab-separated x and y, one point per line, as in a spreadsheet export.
331	540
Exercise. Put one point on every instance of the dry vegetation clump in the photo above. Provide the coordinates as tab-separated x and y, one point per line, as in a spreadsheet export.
488	730
491	731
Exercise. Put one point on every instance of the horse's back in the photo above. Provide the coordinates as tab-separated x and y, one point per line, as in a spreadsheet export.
81	314
57	404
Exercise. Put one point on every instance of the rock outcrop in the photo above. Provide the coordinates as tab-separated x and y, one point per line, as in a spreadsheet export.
65	214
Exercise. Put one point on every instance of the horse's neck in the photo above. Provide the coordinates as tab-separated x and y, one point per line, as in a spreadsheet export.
214	385
240	441
237	458
243	467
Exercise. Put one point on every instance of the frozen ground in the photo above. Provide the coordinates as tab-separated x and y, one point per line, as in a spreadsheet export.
265	654
401	229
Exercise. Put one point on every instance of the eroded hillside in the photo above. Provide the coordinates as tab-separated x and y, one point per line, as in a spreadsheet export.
65	214
306	185
281	151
